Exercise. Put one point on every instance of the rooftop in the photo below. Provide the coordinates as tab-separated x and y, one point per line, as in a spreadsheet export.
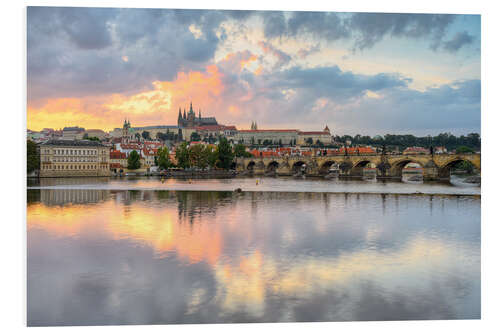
268	130
73	143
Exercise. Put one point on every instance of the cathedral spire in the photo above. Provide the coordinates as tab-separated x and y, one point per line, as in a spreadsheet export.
185	113
199	114
191	107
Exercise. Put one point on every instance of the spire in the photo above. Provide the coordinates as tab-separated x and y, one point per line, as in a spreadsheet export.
199	114
185	114
326	129
191	107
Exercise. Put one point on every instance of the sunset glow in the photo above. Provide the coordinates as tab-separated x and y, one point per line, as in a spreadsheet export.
235	68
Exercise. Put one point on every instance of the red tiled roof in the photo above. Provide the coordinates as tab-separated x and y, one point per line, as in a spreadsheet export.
356	150
215	128
116	154
268	130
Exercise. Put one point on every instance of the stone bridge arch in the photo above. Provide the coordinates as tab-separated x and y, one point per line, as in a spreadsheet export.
357	168
397	166
325	166
345	167
272	166
297	166
445	167
250	165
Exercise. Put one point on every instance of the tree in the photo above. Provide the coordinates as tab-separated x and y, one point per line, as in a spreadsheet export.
134	160
33	157
309	141
195	136
146	135
163	158
94	138
225	154
197	156
466	166
464	149
182	155
85	136
211	155
239	151
137	136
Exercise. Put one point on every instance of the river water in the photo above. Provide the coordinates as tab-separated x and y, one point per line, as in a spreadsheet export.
139	251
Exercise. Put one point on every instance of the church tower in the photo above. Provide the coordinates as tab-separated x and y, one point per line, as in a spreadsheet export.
179	118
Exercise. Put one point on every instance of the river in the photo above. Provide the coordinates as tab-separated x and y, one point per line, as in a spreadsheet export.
140	251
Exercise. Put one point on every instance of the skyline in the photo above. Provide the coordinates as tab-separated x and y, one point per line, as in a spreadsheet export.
357	72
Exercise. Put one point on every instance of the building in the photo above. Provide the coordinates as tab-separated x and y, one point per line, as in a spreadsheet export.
95	133
73	133
117	161
355	151
214	131
73	158
155	130
190	120
415	151
273	136
440	150
313	137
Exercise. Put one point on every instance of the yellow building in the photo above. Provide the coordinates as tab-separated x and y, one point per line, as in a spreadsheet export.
67	158
312	137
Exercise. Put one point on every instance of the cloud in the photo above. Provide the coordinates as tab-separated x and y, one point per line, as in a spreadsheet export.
282	58
364	29
373	27
458	41
74	52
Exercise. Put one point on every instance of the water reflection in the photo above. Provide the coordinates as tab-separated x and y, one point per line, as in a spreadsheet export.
153	257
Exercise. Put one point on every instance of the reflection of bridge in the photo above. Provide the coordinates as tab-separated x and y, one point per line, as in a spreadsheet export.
434	166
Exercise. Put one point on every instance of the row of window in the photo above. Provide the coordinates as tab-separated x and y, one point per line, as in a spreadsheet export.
71	151
73	167
74	159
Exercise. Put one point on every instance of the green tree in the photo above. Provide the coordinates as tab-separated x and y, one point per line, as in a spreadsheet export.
163	158
239	151
211	155
197	156
225	154
465	165
182	155
134	160
146	135
464	149
309	141
33	157
195	137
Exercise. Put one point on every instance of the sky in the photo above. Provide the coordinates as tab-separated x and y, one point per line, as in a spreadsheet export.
358	73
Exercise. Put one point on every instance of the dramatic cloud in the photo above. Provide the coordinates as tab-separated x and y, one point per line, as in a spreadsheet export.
372	27
461	39
95	66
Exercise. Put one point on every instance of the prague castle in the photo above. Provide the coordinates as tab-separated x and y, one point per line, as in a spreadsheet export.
190	120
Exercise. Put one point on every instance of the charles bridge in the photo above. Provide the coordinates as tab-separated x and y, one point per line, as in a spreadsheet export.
436	166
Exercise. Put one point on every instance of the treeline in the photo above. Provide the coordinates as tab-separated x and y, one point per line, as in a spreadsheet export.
448	140
200	156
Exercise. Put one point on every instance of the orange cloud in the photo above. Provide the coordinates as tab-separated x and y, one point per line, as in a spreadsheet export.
151	107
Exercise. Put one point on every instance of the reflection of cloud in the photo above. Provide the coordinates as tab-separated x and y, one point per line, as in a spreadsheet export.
226	267
253	278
